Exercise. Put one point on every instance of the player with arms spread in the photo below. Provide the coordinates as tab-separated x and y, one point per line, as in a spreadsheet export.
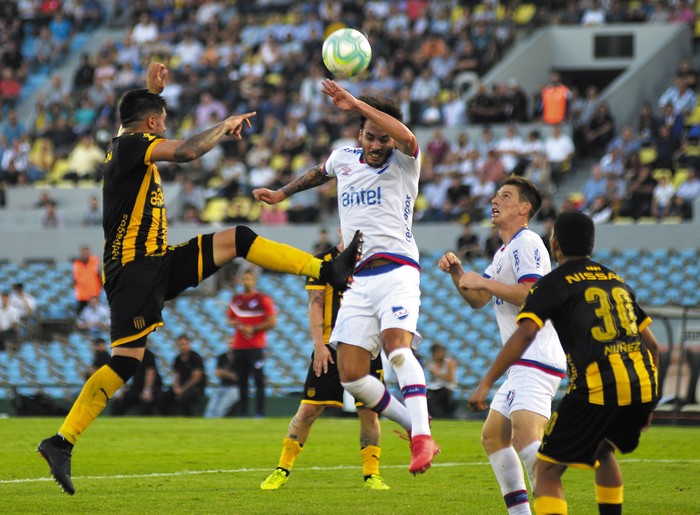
377	188
612	357
522	406
141	271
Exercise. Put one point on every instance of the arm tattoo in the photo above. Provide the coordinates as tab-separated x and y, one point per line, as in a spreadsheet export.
311	178
199	144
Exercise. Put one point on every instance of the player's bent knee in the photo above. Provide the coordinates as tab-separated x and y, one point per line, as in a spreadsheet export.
124	366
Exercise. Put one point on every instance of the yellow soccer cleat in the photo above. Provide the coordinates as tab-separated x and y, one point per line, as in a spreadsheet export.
275	480
375	482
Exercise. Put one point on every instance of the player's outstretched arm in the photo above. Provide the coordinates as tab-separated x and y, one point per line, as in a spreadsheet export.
511	352
405	140
185	151
309	179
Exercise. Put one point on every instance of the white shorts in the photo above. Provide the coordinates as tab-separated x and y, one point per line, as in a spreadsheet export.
375	302
526	388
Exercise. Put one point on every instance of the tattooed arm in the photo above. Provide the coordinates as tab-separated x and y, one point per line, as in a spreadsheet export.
184	151
310	179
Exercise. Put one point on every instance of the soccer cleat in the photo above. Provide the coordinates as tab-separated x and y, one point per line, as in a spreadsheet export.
423	450
338	272
275	480
57	453
375	482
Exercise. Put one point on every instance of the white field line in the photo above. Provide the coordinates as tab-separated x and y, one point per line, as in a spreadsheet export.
267	469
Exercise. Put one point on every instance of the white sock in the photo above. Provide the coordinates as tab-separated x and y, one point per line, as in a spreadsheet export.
372	393
509	473
528	455
412	382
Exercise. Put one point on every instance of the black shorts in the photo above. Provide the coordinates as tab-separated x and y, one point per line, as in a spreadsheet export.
327	390
137	292
577	428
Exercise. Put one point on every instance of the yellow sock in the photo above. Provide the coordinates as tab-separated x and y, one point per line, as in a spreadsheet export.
550	506
370	460
279	257
608	494
90	403
290	451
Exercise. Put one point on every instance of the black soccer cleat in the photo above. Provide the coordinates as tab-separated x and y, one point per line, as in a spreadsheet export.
338	272
57	453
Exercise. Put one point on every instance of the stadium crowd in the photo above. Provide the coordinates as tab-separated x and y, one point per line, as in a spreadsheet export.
265	56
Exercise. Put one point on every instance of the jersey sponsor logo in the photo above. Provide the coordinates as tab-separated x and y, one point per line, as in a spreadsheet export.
538	258
516	260
499	266
592	276
510	397
361	197
399	312
139	322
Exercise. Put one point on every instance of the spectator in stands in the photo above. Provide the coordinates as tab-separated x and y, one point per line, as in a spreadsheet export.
92	215
627	142
599	131
688	73
595	15
14	164
144	390
680	95
25	304
87	278
12	127
539	172
93	320
223	398
51	218
647	124
510	148
666	147
686	195
595	185
640	192
442	383
547	210
600	210
13	58
251	313
145	31
661	199
85	160
100	356
555	100
61	30
468	246
10	88
560	150
189	380
84	74
9	321
493	242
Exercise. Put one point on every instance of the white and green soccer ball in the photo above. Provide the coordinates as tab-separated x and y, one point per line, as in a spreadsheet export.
346	52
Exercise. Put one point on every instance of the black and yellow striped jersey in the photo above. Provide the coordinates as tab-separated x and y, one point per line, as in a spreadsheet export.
331	297
134	219
599	323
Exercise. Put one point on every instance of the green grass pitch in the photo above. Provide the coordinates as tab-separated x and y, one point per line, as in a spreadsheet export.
176	465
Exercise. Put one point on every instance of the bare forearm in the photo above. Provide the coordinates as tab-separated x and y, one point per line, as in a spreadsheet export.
200	144
310	179
405	140
316	303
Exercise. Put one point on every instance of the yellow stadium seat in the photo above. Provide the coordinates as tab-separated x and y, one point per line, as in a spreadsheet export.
524	13
694	117
679	177
665	172
647	155
215	210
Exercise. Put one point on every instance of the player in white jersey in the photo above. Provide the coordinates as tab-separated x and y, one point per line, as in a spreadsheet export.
377	188
522	406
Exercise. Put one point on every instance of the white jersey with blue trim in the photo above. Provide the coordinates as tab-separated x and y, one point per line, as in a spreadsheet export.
377	201
525	258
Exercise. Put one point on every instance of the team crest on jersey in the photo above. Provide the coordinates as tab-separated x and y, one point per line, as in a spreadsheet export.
510	397
399	312
311	393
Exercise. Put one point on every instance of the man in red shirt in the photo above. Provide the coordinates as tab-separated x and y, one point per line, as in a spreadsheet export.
251	313
555	100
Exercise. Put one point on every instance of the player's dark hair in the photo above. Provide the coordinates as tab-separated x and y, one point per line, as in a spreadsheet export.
382	104
575	232
527	191
138	104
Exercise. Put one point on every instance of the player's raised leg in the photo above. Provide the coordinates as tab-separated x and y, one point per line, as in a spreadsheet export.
241	241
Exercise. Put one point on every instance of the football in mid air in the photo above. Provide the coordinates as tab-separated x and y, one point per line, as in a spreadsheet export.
346	52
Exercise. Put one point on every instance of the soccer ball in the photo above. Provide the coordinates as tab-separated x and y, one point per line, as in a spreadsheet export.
346	52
